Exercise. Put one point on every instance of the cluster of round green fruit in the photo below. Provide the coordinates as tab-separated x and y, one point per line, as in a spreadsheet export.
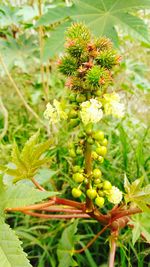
99	188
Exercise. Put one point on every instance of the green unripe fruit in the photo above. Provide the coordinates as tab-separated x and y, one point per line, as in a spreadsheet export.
72	97
79	151
107	185
97	181
100	185
78	177
97	173
101	151
89	129
81	134
76	168
73	114
74	122
72	153
99	135
76	192
104	142
101	193
71	145
99	201
100	159
91	193
98	93
90	140
94	155
80	98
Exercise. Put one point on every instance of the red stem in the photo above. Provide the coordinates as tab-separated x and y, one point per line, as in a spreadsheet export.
56	216
41	188
112	249
32	207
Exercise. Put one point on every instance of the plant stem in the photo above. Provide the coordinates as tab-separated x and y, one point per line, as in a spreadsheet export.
37	185
112	251
32	207
88	170
56	216
5	113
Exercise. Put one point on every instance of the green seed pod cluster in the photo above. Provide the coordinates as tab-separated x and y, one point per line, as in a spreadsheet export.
88	62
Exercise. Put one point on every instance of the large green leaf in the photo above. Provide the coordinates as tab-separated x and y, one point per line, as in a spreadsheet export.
66	245
141	226
11	252
101	16
20	195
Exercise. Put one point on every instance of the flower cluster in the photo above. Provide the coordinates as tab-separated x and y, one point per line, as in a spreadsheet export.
91	111
54	113
112	105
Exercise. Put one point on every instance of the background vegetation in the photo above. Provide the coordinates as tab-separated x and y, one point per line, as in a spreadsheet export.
31	38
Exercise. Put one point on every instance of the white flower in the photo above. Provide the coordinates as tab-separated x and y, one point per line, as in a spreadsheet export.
115	195
112	105
54	113
91	111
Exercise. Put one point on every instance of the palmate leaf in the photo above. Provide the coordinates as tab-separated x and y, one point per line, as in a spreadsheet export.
21	195
29	160
11	252
141	226
137	194
100	16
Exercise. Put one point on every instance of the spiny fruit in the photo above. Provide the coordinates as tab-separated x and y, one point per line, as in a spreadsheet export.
76	192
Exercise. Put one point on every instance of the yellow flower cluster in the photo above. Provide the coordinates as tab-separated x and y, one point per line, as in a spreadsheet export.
91	111
115	195
112	105
54	112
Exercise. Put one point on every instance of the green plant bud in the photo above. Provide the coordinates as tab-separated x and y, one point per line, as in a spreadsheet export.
71	145
90	140
72	97
107	185
99	136
89	129
91	193
86	180
101	193
79	151
104	142
76	168
81	134
94	155
99	201
97	181
98	93
100	159
101	151
72	153
73	114
76	192
78	177
97	173
74	122
80	98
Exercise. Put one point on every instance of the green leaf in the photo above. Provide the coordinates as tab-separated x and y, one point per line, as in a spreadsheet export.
11	252
66	246
141	226
101	16
55	43
21	195
29	160
138	194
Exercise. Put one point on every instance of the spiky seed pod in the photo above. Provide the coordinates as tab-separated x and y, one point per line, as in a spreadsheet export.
97	76
103	43
107	59
75	47
68	65
79	31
